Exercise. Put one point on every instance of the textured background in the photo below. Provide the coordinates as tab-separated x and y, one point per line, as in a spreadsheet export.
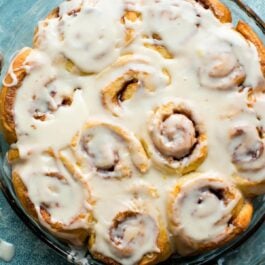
30	250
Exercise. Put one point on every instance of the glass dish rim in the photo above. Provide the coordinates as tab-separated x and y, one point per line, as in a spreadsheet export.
41	234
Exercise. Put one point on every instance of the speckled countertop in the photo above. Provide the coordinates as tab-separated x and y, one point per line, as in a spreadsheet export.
30	250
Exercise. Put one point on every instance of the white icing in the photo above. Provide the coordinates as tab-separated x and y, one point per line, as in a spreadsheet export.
166	16
198	204
90	48
7	251
68	6
203	52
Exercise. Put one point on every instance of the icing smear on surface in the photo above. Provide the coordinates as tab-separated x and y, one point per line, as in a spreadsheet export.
7	251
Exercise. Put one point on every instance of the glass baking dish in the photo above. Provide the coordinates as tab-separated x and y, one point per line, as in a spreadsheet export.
17	22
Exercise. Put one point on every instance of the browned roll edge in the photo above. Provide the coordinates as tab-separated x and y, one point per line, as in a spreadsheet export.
247	32
8	95
249	188
22	194
220	10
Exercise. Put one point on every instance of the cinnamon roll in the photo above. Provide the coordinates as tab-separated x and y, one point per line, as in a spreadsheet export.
248	155
50	95
74	45
179	141
134	238
206	211
136	74
108	151
223	67
46	192
221	70
13	155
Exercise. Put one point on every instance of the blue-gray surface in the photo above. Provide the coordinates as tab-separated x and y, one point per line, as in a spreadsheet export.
30	250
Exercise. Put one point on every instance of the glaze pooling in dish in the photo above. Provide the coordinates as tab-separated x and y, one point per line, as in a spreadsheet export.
126	99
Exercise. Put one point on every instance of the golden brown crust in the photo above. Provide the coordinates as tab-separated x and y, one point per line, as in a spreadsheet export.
220	10
12	155
104	259
54	13
131	16
243	216
158	47
8	95
249	188
250	35
22	194
149	259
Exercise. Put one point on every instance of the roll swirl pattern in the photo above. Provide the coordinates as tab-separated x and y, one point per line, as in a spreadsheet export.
134	75
131	231
108	151
179	142
214	204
